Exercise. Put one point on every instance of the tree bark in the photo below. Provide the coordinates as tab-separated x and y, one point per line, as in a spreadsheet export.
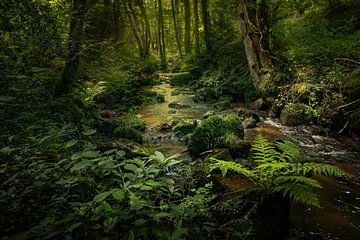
206	23
147	39
187	41
196	28
135	30
177	35
161	35
74	47
255	30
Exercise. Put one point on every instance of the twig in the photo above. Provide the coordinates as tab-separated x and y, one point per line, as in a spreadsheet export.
348	104
347	59
345	126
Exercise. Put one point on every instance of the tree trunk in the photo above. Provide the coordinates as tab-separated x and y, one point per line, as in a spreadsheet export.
255	31
196	28
161	35
116	10
74	45
187	27
206	23
135	30
147	39
178	39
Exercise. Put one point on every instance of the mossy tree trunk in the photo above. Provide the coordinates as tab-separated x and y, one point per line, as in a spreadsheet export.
74	47
196	28
187	9
176	29
161	35
134	27
147	36
255	30
206	23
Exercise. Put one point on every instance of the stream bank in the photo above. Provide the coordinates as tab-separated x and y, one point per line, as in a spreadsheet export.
340	198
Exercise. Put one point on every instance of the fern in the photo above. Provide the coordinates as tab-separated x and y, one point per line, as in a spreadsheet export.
278	171
264	151
289	151
298	193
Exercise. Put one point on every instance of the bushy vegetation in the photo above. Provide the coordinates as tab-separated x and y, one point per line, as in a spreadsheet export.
214	132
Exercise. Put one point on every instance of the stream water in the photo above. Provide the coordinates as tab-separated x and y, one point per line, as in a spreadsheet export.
339	217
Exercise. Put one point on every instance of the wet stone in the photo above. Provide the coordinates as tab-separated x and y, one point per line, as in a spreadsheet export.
178	105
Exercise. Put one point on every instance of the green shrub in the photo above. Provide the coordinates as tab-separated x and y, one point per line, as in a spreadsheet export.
177	79
213	132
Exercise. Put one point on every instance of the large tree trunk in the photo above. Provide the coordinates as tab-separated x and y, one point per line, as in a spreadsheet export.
206	23
74	45
133	24
187	27
147	39
255	31
177	35
161	35
196	28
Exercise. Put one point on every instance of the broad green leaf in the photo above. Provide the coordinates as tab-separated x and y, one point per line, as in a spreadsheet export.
76	156
70	143
106	206
146	188
90	154
152	183
80	166
131	167
118	195
89	132
102	196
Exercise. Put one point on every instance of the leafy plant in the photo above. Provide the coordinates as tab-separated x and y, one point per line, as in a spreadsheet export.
277	170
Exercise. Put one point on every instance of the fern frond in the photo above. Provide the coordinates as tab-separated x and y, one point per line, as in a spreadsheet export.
289	151
298	180
264	151
224	166
318	168
299	193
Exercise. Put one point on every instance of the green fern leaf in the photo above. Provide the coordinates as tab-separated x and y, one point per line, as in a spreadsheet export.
299	193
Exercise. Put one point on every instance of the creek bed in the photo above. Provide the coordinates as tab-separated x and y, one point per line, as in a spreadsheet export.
339	217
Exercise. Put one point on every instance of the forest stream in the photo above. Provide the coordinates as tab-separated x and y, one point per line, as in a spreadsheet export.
340	199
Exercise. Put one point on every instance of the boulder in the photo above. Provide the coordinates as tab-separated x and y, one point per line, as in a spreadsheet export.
239	149
249	123
185	126
294	114
222	105
128	133
178	105
259	104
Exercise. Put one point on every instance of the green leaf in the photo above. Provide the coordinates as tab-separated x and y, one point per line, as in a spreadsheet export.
89	132
118	195
152	183
102	196
131	167
146	188
76	156
80	166
70	143
106	206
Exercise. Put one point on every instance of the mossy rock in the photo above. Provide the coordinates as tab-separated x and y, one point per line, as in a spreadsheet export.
138	124
205	94
191	68
128	133
301	91
249	123
222	105
212	133
178	105
177	79
209	114
294	114
154	96
185	126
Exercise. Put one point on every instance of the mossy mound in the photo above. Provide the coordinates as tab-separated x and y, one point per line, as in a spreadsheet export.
191	68
177	79
294	114
128	133
214	132
185	126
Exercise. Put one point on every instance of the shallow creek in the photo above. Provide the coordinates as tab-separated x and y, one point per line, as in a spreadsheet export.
339	217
